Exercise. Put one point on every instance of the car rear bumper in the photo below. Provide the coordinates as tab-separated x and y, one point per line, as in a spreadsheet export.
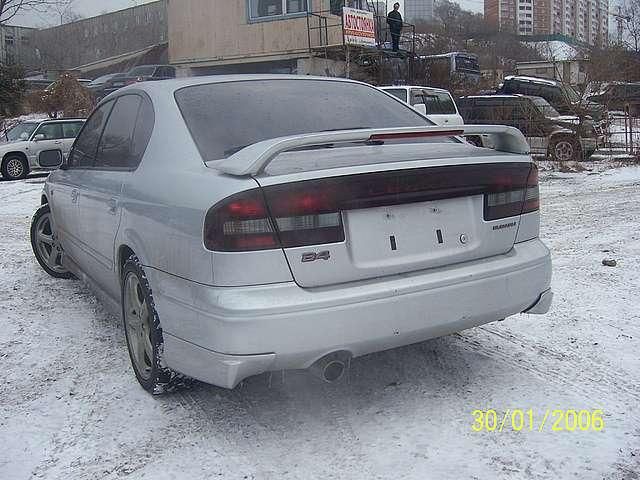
222	335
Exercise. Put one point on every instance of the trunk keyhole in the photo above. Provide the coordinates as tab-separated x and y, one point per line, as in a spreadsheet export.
439	235
392	241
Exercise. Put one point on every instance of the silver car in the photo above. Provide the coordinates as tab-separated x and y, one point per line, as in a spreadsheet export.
245	224
21	146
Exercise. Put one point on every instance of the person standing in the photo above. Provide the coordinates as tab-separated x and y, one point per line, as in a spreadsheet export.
394	20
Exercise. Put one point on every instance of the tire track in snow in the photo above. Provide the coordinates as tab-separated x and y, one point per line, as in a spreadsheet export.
546	367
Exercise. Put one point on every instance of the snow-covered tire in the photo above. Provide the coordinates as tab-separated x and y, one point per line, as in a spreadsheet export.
15	167
143	332
45	245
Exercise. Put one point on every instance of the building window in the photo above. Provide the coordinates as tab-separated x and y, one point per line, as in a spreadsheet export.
275	8
9	39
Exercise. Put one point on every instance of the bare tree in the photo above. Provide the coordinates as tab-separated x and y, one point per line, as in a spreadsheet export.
11	8
631	19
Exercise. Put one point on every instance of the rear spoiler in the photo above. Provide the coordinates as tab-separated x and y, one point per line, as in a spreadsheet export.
253	159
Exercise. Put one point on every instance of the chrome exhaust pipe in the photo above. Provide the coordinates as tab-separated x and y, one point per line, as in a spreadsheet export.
331	367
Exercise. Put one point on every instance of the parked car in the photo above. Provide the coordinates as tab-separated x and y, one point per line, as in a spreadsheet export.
116	82
142	73
549	134
237	237
561	96
21	153
617	96
437	104
98	85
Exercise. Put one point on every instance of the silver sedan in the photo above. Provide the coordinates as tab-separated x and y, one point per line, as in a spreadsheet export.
245	224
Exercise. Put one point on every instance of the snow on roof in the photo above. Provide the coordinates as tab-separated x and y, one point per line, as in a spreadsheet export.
555	50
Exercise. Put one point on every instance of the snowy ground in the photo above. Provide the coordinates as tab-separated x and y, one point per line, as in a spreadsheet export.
70	407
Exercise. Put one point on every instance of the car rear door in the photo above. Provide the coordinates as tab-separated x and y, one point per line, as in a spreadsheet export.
70	131
117	157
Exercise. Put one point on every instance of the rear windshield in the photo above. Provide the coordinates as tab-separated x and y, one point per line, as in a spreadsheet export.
437	103
225	117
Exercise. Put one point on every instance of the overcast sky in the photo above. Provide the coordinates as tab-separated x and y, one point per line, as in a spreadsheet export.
90	8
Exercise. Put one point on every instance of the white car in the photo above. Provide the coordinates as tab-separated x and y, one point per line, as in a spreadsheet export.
437	104
20	152
237	237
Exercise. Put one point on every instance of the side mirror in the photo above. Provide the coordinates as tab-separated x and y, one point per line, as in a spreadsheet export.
50	158
421	107
39	137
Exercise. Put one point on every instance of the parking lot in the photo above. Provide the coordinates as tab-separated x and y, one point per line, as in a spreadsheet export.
71	407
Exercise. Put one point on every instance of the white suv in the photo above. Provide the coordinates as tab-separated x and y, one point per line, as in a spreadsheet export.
436	103
24	143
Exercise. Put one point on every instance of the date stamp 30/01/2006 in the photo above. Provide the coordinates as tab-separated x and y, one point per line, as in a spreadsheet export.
520	420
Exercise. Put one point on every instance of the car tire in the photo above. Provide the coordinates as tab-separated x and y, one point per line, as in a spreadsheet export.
143	332
45	245
15	167
565	149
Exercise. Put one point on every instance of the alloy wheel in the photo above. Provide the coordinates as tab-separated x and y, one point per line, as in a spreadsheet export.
15	168
47	244
138	326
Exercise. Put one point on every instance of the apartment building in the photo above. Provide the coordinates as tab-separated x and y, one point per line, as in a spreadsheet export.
583	20
416	11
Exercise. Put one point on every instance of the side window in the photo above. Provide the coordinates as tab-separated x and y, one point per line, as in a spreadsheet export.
71	130
143	131
166	72
416	96
84	150
115	150
399	93
51	131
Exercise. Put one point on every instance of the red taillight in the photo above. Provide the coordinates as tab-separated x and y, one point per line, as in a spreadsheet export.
512	197
238	223
310	212
296	218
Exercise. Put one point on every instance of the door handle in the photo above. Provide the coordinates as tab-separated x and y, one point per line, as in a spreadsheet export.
113	206
74	196
58	142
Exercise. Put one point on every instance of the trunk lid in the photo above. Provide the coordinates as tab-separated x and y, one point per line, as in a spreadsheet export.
401	209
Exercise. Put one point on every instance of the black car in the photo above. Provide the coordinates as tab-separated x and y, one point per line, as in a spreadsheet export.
549	134
619	96
98	85
562	97
142	73
145	73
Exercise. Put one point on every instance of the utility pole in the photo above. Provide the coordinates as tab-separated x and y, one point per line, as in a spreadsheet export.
620	19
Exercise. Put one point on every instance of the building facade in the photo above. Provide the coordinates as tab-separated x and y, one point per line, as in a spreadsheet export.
94	40
416	11
17	47
583	20
252	36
